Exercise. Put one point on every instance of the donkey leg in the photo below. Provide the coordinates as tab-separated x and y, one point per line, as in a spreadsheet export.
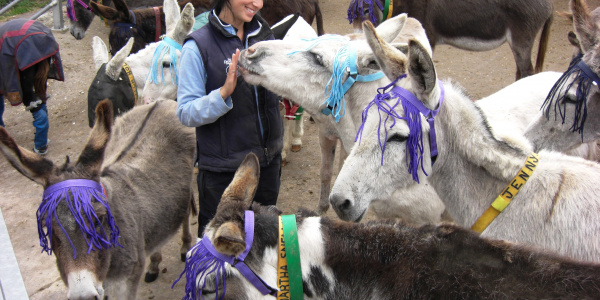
186	234
287	140
297	134
521	49
328	144
155	260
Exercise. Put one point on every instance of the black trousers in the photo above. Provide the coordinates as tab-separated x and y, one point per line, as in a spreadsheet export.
211	186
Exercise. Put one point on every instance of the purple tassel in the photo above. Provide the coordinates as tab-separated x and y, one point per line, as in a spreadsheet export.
412	117
202	262
78	194
355	10
71	10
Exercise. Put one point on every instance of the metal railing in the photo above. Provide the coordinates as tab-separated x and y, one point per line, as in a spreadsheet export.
56	5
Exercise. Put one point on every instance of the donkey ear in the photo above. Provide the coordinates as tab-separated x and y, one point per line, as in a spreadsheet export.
115	64
584	25
108	12
184	25
26	162
421	71
229	239
172	14
413	29
122	7
92	155
392	62
389	29
99	52
244	183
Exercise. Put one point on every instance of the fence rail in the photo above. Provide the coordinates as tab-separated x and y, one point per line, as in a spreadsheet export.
56	5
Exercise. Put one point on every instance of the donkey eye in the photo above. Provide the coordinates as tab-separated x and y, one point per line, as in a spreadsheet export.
397	138
166	64
570	98
317	59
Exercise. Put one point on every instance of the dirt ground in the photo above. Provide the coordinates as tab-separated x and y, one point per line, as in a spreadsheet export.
481	73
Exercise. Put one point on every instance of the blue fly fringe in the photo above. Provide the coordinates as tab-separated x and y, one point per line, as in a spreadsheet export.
356	9
584	78
334	90
79	200
201	262
169	48
414	144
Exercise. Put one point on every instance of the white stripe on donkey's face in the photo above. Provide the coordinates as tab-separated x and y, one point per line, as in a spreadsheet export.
554	209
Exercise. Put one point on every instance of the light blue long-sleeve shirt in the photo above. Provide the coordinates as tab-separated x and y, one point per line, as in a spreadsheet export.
194	106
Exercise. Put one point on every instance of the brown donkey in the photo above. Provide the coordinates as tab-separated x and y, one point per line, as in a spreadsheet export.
132	182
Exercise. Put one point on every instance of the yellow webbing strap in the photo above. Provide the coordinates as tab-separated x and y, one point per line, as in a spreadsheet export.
131	82
507	195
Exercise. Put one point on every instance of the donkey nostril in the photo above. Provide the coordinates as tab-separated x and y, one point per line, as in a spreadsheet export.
345	205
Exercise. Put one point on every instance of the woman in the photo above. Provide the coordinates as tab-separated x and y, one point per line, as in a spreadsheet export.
231	117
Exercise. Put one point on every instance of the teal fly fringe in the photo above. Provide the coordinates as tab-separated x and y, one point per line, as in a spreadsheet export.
78	194
166	47
334	90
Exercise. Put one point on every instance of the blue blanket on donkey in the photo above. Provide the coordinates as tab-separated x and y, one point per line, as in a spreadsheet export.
23	43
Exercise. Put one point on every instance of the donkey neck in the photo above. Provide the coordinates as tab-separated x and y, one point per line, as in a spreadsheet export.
473	165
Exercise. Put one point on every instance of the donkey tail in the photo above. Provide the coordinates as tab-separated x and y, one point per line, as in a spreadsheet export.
543	45
319	18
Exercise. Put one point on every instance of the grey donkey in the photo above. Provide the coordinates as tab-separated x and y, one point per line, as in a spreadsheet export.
140	171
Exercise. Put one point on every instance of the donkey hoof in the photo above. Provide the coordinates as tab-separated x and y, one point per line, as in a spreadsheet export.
296	148
283	162
150	277
183	256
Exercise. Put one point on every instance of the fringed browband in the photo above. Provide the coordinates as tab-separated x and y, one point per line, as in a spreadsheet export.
413	108
203	259
583	79
355	10
168	47
78	195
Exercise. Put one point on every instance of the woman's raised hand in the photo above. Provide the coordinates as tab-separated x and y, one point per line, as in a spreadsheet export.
231	80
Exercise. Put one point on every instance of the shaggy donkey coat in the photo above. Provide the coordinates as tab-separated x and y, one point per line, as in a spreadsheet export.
555	209
145	165
386	260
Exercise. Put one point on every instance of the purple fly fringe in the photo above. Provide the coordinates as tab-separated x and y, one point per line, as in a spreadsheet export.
584	77
414	144
78	194
200	263
71	10
356	9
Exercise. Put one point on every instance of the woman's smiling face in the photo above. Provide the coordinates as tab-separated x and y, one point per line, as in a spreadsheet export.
244	10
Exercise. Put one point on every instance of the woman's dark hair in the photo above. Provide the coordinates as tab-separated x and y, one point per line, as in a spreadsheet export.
217	5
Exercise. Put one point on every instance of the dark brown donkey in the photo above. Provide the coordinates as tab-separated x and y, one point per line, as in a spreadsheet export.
376	260
472	25
142	24
132	182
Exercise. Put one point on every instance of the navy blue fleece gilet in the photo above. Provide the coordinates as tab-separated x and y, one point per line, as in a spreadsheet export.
223	144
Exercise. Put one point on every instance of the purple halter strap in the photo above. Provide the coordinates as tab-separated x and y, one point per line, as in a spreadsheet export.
429	114
205	259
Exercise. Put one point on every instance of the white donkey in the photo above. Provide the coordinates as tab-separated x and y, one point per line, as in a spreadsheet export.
123	88
303	76
166	89
569	116
300	70
555	208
